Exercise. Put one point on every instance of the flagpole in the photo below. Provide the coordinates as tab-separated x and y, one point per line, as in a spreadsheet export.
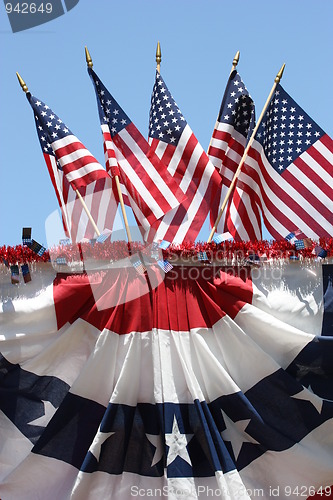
25	89
276	81
158	57
116	177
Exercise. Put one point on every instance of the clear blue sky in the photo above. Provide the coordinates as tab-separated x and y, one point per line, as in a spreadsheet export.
199	39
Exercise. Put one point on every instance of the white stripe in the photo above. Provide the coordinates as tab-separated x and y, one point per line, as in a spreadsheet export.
81	172
316	167
160	149
154	175
65	141
179	150
324	151
73	156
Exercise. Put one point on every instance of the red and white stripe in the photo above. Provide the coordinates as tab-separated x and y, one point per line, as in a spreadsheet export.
98	197
79	166
302	196
150	189
198	179
241	216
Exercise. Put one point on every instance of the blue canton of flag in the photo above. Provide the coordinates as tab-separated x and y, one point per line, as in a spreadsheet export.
287	131
166	121
237	107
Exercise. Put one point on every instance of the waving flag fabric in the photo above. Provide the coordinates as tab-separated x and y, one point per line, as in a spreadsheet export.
173	141
71	167
149	188
289	171
232	131
215	384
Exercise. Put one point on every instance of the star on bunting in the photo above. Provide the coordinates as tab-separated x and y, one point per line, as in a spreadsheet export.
235	433
156	440
99	440
177	443
49	411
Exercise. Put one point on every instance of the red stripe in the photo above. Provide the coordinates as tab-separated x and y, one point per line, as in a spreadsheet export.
207	297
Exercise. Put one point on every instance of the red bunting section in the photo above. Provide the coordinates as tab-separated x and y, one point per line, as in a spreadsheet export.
187	298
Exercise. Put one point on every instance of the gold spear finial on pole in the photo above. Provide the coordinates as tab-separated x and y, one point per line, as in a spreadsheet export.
158	57
22	82
280	73
88	58
235	60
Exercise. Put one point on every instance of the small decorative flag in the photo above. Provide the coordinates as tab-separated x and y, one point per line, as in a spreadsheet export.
37	248
299	244
26	236
293	257
5	261
254	257
165	265
26	273
154	251
320	252
104	236
65	241
203	256
307	242
164	244
291	238
138	265
61	261
15	274
218	238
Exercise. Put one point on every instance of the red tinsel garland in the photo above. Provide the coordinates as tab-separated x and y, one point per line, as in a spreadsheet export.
117	250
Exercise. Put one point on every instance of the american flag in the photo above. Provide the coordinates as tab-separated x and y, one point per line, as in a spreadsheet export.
288	171
173	141
146	185
70	166
232	131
